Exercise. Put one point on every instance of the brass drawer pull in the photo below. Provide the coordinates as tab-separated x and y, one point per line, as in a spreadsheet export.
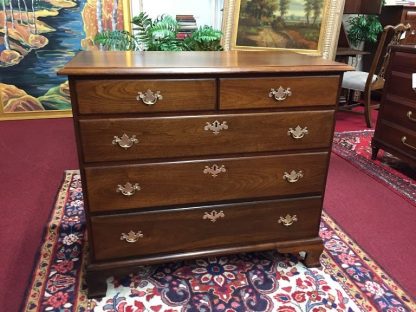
131	237
213	215
280	94
298	132
216	126
409	115
125	142
293	176
404	139
149	97
288	220
215	170
128	189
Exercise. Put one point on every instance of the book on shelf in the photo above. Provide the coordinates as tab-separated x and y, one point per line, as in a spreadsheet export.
182	35
185	17
186	24
188	27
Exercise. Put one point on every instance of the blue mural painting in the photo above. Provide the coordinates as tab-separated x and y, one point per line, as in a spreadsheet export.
37	37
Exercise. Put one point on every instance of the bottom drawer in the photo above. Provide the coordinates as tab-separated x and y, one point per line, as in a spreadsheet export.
188	229
398	138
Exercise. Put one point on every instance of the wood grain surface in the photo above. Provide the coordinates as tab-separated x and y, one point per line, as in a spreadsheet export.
186	135
196	62
164	184
120	96
184	230
254	92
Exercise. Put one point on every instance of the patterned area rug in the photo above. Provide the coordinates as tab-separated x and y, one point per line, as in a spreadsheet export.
348	281
355	146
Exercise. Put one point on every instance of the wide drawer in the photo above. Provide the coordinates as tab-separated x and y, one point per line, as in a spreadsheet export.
403	62
123	96
399	110
181	230
399	138
167	184
144	138
245	93
410	15
400	84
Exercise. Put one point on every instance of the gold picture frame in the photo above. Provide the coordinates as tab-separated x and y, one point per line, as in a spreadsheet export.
63	113
328	34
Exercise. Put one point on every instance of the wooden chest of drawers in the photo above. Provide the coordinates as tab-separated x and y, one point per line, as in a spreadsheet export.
396	124
194	154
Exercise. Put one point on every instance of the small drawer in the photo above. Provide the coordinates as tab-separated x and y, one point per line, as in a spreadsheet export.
191	229
164	137
145	96
278	92
166	184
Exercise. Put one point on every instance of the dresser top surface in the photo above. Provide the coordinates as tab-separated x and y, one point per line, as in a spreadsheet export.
148	63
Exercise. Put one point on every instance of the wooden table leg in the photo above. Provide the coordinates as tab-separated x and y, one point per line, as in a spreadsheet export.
312	253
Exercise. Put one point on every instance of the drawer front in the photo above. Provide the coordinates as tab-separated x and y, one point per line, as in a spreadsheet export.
399	111
145	138
400	138
167	184
258	92
400	84
410	15
403	62
122	96
177	231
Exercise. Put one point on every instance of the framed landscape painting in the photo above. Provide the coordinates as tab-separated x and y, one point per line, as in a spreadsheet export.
305	26
39	37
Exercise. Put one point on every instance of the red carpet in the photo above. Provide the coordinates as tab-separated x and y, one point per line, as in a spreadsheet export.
263	281
381	215
349	121
33	156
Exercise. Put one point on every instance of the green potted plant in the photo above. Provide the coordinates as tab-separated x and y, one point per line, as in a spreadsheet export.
160	34
363	28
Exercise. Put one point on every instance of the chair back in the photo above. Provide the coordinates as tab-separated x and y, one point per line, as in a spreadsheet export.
391	36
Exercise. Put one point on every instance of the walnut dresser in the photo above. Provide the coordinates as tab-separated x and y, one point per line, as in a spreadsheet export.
192	154
396	123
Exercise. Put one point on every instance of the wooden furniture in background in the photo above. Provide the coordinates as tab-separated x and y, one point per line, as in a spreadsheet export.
344	49
396	125
396	14
367	82
193	154
343	55
362	6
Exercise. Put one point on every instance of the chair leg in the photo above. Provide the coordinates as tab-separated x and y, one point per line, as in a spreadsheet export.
367	109
350	95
